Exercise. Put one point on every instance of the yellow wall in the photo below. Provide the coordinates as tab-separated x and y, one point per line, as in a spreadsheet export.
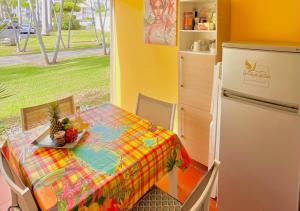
149	69
265	20
152	69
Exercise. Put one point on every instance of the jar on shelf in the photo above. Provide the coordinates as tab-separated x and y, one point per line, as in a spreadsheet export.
188	20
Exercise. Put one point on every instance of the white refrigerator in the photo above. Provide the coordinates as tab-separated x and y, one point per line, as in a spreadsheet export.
260	128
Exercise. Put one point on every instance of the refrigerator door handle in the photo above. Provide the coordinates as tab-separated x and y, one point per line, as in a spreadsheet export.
235	96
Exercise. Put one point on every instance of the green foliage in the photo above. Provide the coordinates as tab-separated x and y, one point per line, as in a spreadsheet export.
68	6
74	23
25	4
102	8
3	92
2	26
14	3
87	19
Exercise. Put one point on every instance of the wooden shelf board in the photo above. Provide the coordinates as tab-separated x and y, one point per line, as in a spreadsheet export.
198	31
198	52
197	1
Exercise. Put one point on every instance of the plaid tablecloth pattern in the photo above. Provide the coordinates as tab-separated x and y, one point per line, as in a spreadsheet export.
119	159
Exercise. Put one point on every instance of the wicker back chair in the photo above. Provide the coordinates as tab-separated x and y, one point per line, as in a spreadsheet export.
156	111
38	115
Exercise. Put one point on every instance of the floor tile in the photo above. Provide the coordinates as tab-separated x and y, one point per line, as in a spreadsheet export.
4	191
4	206
187	181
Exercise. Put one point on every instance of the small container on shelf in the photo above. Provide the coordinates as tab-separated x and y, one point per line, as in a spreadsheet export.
200	46
196	19
202	26
188	21
212	46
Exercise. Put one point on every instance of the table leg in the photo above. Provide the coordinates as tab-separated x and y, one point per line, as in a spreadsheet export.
173	182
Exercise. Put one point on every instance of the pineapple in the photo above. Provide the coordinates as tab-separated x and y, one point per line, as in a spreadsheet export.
55	124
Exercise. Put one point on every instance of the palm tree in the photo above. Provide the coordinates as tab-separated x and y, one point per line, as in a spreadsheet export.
58	37
20	12
50	27
56	19
70	21
45	25
103	8
93	20
38	33
9	14
28	35
37	2
24	4
3	92
2	16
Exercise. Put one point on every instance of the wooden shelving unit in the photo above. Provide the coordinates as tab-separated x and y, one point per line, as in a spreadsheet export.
196	76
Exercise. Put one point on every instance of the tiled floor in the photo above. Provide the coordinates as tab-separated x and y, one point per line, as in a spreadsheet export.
4	195
187	181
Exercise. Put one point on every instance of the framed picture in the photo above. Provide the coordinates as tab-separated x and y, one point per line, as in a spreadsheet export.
160	22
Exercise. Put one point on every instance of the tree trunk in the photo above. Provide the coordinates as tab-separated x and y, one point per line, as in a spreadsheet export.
19	12
102	28
38	33
105	14
38	14
50	27
70	21
16	37
94	21
2	12
58	36
28	35
62	42
56	19
45	26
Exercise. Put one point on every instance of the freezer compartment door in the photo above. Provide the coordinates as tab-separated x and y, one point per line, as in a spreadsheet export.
260	158
267	75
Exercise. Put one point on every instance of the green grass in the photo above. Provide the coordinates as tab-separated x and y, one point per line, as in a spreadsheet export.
79	39
87	78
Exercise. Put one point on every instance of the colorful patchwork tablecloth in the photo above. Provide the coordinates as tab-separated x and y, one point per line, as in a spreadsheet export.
119	159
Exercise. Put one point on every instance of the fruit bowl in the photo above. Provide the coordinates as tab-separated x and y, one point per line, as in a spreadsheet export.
44	140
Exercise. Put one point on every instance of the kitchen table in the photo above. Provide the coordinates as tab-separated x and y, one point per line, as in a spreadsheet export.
120	157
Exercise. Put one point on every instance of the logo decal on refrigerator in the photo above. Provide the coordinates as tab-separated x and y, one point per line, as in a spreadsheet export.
256	75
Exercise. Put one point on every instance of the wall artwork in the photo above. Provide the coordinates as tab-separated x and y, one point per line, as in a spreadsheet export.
160	22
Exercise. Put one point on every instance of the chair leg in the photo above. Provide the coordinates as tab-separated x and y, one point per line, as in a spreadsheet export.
11	207
14	201
14	198
173	183
206	205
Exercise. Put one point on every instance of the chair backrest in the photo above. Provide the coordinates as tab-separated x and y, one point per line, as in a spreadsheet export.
156	111
21	195
200	197
38	115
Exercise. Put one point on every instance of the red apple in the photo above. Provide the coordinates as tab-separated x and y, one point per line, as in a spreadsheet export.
71	135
